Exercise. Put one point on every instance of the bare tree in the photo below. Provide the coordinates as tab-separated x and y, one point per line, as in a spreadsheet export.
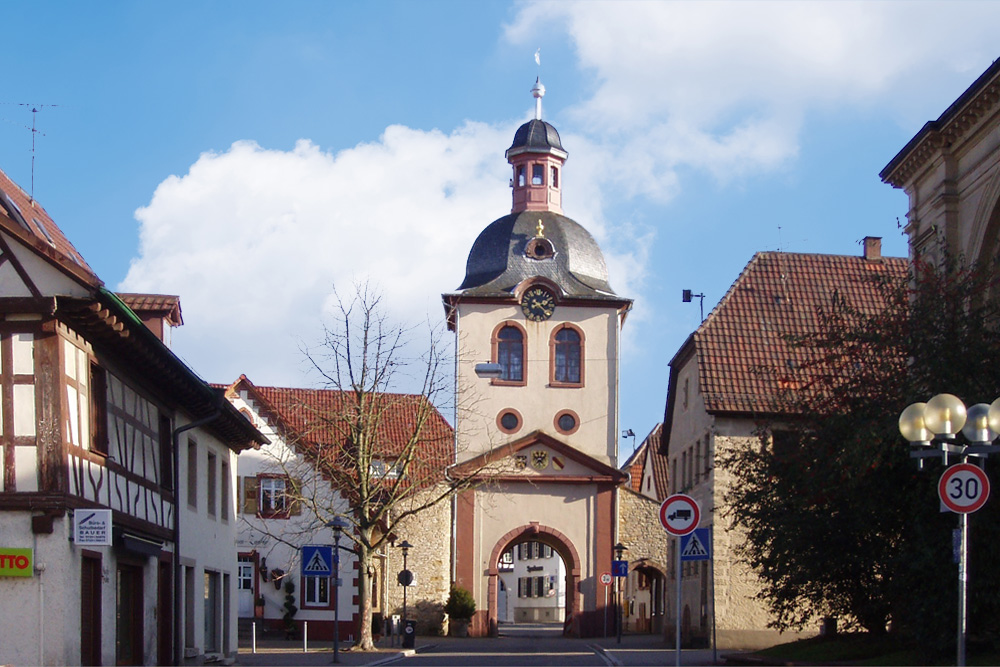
375	457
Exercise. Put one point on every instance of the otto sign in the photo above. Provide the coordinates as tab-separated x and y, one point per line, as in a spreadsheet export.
680	514
964	488
16	562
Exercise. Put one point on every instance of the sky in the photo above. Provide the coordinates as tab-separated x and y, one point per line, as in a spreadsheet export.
251	156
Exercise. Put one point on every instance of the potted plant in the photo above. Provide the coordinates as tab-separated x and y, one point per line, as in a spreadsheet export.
258	606
461	607
291	629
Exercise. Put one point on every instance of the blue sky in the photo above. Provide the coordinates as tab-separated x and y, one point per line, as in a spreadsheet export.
248	155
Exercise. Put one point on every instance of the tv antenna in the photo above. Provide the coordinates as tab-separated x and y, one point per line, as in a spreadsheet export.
686	298
35	108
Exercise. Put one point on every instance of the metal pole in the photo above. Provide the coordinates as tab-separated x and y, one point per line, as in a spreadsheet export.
253	634
336	596
305	636
963	575
677	619
404	593
618	606
715	643
606	611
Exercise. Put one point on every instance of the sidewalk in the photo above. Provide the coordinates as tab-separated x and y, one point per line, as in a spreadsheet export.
633	650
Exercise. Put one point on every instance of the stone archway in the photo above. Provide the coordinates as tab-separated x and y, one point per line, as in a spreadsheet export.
650	608
571	559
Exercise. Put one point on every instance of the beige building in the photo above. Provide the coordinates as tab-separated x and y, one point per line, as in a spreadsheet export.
951	173
538	329
727	380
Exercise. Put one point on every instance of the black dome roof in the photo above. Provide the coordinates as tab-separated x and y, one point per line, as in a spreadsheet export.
536	135
498	263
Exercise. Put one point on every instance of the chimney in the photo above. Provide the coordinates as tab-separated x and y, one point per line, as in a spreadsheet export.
873	248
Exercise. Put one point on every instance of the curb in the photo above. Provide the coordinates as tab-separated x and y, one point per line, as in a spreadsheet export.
608	658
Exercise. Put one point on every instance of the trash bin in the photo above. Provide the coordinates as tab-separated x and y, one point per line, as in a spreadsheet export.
409	634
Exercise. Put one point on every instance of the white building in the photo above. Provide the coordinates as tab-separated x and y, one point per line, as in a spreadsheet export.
99	416
532	580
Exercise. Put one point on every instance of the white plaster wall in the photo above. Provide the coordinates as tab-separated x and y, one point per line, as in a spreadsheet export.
479	402
268	536
206	540
49	280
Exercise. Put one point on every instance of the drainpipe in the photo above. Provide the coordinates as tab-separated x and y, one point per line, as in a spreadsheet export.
178	638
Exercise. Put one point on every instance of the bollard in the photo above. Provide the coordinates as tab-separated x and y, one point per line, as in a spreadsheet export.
253	636
305	636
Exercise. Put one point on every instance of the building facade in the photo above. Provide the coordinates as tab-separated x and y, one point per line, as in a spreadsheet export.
118	461
538	319
727	382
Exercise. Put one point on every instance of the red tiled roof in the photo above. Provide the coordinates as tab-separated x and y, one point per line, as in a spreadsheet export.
659	462
743	346
313	419
31	222
167	304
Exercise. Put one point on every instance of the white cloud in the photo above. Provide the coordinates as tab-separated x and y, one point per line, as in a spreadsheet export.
725	86
253	240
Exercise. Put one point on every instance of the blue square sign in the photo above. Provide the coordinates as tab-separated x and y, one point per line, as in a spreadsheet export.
619	568
317	561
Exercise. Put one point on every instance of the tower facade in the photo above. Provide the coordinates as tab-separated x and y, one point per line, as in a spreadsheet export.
538	328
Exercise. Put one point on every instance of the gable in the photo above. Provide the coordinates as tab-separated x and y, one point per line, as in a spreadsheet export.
538	456
25	273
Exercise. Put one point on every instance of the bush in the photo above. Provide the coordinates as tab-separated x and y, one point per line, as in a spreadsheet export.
461	604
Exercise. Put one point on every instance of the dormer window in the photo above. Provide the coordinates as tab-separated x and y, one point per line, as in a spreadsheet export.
538	174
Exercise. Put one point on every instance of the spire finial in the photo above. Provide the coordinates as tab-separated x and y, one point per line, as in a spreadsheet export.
540	230
538	91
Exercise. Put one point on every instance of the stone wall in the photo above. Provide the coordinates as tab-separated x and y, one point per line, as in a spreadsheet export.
429	532
639	528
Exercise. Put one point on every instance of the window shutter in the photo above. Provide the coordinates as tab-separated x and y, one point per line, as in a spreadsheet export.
251	490
295	503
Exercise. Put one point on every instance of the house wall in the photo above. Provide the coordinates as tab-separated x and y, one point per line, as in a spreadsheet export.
266	538
480	402
208	544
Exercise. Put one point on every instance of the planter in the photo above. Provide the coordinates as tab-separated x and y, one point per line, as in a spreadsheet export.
458	627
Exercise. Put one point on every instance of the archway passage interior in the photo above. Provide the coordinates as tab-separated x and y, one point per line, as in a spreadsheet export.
562	547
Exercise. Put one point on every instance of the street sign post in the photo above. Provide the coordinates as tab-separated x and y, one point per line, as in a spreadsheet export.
606	578
696	546
680	514
619	568
317	560
964	488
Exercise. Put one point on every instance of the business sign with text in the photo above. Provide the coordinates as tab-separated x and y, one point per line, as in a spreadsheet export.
16	562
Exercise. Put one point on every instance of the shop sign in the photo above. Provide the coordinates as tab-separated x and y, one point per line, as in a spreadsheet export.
16	562
92	528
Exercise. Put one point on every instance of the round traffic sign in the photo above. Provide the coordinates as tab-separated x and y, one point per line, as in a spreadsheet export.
680	514
606	578
964	488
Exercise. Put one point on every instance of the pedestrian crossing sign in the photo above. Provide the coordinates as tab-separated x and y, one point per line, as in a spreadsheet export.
696	545
317	560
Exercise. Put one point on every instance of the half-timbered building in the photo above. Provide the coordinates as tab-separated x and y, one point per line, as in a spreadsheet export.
117	510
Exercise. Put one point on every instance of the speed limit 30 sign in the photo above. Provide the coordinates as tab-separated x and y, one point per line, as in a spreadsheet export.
964	488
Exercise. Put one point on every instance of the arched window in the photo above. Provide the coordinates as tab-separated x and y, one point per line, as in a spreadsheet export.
567	356
509	353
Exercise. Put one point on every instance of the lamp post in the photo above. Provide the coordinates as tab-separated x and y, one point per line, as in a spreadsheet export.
405	577
931	429
338	525
620	549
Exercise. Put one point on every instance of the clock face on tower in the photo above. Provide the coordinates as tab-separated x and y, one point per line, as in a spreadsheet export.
538	304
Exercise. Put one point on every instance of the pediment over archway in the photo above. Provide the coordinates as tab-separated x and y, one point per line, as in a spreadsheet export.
540	457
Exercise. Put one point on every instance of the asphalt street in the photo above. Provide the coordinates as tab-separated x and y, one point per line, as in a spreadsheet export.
518	646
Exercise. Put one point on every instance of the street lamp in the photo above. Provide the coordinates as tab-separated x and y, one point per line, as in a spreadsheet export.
620	549
338	525
931	429
405	577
